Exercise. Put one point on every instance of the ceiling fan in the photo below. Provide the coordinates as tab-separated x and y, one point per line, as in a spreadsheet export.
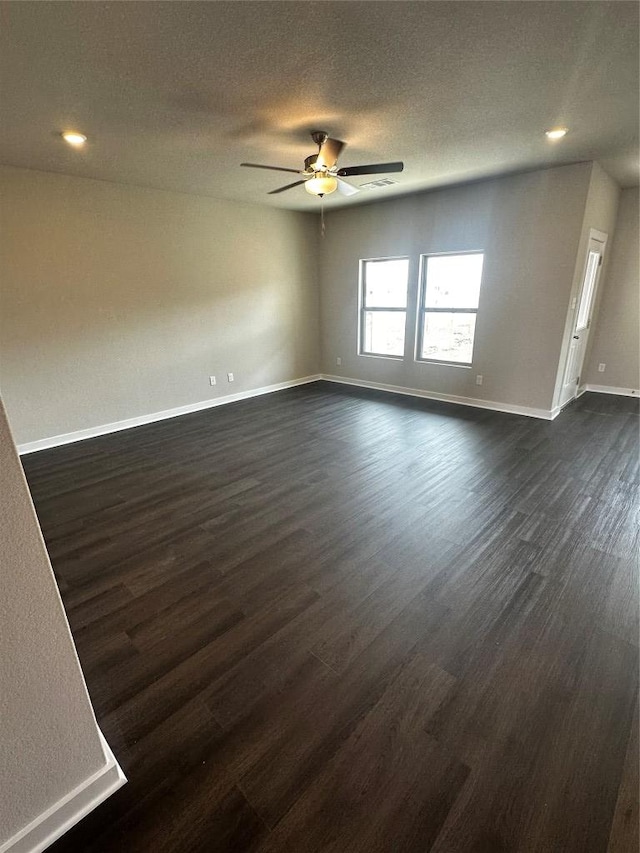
321	174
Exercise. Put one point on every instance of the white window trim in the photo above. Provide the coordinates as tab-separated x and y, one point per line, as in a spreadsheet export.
420	310
362	308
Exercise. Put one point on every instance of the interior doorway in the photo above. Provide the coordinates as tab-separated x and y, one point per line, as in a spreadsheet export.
583	306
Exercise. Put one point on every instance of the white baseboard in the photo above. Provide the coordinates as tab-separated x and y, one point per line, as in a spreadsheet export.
527	411
56	820
117	426
611	389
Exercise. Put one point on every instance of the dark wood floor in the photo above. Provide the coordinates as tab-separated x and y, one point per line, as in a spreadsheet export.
332	620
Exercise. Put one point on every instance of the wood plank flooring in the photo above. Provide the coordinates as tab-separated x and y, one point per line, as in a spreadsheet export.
335	620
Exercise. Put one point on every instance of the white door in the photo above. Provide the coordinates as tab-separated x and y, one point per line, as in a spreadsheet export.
582	319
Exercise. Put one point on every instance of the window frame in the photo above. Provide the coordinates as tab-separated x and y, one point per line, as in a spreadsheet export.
422	310
363	309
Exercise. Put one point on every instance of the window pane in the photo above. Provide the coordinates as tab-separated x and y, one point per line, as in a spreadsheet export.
384	332
587	290
385	283
453	281
448	337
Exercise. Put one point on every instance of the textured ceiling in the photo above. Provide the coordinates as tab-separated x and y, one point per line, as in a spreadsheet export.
176	95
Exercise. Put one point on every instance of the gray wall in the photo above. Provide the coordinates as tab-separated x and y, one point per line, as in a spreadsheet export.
118	301
529	227
49	741
616	338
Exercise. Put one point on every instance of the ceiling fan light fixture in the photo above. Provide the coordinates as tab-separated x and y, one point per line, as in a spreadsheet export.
322	185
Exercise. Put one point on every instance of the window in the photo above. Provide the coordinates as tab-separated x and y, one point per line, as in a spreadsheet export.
383	306
588	289
449	295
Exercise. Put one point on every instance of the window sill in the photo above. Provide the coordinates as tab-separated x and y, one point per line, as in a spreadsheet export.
463	364
380	355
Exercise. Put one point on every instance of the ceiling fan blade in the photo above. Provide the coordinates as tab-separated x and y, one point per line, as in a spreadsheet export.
347	189
329	153
373	169
288	187
272	168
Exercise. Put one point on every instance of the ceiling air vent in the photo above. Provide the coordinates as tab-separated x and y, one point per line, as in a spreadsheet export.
374	185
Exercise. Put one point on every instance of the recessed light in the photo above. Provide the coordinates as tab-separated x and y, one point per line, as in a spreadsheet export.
556	133
74	138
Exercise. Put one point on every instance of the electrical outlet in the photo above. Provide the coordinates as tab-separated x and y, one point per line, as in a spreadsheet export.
339	361
479	379
230	377
212	380
601	367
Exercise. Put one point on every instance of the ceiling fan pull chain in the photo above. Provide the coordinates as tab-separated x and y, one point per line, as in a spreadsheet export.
322	228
